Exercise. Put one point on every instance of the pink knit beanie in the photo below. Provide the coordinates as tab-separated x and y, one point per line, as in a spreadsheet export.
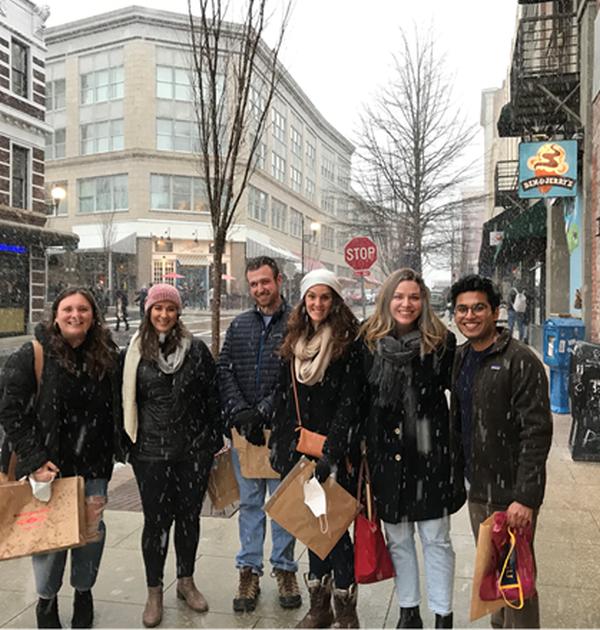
163	293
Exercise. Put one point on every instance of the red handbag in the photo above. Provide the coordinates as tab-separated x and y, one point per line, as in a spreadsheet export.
511	575
372	560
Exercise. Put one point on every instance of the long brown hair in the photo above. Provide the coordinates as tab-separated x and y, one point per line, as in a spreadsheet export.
149	344
100	351
381	323
344	327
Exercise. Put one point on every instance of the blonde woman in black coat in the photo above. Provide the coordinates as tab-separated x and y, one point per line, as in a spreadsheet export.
413	451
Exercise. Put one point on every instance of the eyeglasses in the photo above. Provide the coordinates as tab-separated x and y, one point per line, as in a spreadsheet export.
476	309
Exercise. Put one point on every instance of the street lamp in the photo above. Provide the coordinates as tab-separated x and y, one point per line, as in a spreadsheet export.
315	226
58	194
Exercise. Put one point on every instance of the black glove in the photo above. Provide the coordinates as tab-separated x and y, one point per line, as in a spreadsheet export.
256	436
323	469
246	419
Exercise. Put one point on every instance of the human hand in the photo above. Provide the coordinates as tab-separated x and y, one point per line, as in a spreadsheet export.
245	420
323	469
46	472
518	515
256	436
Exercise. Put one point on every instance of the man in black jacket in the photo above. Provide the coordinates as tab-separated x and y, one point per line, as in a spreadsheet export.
248	369
500	401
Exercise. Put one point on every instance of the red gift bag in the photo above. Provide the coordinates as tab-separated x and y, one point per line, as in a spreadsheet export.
372	560
511	573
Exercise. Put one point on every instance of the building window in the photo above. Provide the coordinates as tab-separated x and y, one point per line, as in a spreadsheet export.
295	141
19	176
278	215
63	206
277	167
102	194
344	176
296	179
257	204
100	137
328	203
55	144
257	103
295	223
327	168
311	155
55	94
328	237
19	69
177	135
102	85
310	189
178	192
279	124
261	155
174	83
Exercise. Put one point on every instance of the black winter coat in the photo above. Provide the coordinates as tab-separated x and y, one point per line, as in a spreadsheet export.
75	421
178	414
248	365
331	408
416	463
512	424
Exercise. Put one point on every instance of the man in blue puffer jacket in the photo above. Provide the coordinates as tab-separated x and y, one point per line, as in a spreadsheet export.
248	370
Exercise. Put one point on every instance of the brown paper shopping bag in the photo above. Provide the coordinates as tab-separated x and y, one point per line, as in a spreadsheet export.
29	526
254	460
483	559
286	506
223	488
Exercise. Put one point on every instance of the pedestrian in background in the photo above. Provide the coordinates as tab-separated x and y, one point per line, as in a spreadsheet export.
413	453
172	416
121	303
500	401
248	371
69	426
323	356
140	300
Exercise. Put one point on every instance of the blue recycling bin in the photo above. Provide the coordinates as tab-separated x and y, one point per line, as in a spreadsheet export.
560	336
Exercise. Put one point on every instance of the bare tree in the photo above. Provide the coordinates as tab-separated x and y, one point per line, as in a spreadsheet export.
235	77
410	156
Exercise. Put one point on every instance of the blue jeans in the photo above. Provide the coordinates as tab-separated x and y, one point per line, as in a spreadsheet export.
252	526
439	562
48	568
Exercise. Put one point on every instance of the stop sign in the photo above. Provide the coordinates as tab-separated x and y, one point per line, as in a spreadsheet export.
360	253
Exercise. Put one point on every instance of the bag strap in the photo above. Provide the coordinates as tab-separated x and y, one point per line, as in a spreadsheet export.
518	585
364	474
38	361
295	387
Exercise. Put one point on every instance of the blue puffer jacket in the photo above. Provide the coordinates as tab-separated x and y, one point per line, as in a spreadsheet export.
248	366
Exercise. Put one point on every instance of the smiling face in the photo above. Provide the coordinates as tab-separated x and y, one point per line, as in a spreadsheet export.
163	316
476	319
74	317
318	301
265	288
406	305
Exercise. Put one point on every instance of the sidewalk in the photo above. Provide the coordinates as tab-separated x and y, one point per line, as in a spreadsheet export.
568	554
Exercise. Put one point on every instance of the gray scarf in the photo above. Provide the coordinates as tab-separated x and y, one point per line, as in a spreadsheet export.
172	363
391	372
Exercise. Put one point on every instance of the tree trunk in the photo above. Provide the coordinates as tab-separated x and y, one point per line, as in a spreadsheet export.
219	249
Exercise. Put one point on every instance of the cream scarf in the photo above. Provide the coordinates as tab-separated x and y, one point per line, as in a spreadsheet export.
312	357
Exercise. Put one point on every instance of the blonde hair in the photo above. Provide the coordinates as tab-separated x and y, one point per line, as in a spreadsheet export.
381	323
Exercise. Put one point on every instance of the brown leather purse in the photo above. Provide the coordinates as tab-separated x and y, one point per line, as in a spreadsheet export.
309	442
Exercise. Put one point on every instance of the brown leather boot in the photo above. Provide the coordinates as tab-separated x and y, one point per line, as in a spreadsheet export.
154	607
320	613
186	589
344	603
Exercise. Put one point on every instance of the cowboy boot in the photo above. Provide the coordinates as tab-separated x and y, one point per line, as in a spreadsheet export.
186	590
154	607
320	613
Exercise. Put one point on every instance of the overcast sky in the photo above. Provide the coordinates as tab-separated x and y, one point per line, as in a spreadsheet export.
340	51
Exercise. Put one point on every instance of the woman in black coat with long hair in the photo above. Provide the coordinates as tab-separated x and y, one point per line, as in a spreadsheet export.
321	351
67	425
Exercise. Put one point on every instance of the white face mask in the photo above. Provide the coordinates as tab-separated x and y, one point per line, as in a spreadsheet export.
41	490
314	497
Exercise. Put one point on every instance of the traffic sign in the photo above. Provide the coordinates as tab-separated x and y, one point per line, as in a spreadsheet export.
362	273
360	253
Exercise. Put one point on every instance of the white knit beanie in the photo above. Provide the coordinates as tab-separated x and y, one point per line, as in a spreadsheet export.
320	276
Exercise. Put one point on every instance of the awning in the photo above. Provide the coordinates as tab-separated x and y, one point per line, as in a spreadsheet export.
487	252
255	248
520	234
33	235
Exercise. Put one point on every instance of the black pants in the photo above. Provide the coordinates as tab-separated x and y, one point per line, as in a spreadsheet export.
340	560
171	491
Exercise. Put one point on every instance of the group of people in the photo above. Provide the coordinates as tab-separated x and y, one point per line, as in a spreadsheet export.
378	387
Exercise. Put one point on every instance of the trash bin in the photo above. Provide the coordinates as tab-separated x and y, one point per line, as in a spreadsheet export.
560	336
584	390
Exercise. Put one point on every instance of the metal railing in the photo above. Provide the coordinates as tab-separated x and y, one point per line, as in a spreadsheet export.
506	182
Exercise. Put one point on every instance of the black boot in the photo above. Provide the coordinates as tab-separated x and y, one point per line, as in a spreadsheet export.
83	609
443	621
46	613
410	618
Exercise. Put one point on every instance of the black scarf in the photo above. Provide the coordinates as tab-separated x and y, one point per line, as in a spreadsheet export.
391	372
